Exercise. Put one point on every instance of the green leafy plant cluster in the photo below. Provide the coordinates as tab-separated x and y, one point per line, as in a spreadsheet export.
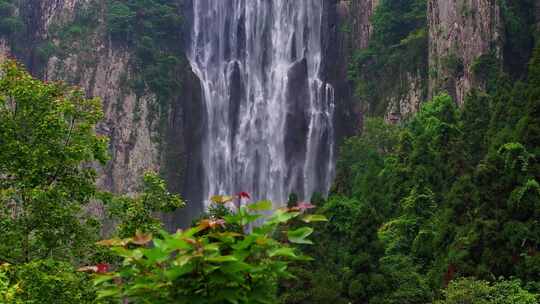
46	141
45	281
151	29
136	213
209	263
468	290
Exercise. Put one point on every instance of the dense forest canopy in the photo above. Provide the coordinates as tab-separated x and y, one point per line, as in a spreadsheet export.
442	206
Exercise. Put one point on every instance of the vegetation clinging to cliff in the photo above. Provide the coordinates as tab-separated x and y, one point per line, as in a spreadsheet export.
154	29
10	22
397	49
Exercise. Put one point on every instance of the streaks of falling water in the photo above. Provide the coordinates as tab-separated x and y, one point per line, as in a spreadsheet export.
269	115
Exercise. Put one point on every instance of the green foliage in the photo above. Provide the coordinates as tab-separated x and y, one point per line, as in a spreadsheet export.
466	290
361	157
10	22
75	37
453	64
120	19
48	151
397	49
150	29
486	68
8	290
136	214
345	264
45	281
450	193
208	263
519	21
154	29
47	142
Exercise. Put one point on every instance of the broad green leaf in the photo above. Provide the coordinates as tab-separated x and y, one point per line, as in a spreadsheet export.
222	259
242	218
176	272
299	236
177	244
282	252
108	293
213	247
261	206
182	260
245	243
103	278
234	267
314	218
282	216
155	255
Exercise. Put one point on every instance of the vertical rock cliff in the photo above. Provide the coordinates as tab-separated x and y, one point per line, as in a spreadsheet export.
459	33
360	13
463	38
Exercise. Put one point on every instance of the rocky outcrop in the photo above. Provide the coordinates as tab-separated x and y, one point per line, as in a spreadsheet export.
4	48
459	33
103	70
128	122
51	12
405	104
347	28
361	27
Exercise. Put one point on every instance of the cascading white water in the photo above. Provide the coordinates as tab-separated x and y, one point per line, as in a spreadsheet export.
269	116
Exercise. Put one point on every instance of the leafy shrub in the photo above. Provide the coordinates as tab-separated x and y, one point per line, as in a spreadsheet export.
45	282
471	291
120	19
209	263
136	213
7	289
47	141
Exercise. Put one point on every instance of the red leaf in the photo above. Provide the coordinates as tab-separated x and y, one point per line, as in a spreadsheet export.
211	223
244	195
303	206
102	268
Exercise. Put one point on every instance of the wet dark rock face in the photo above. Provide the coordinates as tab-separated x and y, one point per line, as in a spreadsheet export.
296	122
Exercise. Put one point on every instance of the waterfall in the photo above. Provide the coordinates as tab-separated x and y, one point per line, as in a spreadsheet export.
269	116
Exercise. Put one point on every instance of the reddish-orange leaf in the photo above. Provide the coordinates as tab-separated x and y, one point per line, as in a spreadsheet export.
141	238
